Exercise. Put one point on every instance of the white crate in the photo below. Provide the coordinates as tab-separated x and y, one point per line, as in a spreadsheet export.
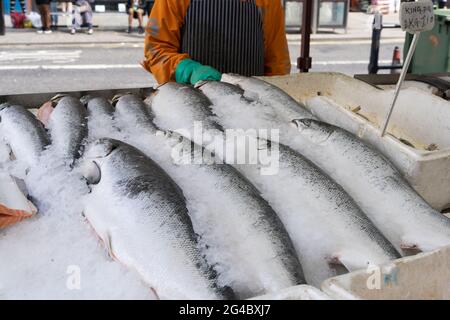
421	277
419	118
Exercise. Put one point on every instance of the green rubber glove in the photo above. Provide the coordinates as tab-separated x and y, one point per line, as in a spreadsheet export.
190	72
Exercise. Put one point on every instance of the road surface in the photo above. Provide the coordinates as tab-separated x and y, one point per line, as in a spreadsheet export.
36	68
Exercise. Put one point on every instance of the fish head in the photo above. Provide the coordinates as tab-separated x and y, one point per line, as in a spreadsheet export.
4	106
316	131
125	97
150	94
190	105
100	148
85	99
97	106
58	97
123	102
94	157
131	110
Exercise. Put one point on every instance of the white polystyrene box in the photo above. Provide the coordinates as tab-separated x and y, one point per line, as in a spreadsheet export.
420	119
424	276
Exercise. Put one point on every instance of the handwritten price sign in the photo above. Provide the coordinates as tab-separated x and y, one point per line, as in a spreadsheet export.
417	16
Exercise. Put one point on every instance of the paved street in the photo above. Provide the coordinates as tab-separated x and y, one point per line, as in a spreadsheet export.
349	57
37	68
71	67
110	58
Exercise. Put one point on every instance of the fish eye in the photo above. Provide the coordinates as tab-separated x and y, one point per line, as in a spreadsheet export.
94	174
306	122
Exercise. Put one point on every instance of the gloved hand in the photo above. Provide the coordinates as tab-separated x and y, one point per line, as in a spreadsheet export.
190	72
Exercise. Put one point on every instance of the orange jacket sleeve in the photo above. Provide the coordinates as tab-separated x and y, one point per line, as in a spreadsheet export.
276	51
163	38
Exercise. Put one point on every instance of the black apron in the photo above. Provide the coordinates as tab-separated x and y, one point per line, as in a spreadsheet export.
225	34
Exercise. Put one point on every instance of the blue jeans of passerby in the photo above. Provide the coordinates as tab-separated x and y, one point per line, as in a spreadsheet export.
54	13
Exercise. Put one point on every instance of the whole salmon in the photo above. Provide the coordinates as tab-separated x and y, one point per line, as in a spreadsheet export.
68	127
24	134
141	216
376	185
405	219
224	206
328	229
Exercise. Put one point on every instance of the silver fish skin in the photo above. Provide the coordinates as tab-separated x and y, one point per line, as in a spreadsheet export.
264	92
218	87
23	132
100	114
132	109
198	123
376	185
328	228
180	96
98	107
141	215
324	223
68	127
237	211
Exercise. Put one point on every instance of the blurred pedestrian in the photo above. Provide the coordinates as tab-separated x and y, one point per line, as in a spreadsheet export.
135	11
17	18
148	7
22	6
66	8
82	16
44	11
54	13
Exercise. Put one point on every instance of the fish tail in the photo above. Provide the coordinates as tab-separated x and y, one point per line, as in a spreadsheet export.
10	216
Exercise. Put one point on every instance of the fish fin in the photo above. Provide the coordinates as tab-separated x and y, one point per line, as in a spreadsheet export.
33	209
7	151
108	244
155	293
116	97
21	185
251	96
336	267
58	97
410	249
12	156
263	144
10	216
7	220
349	260
334	260
200	83
44	112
